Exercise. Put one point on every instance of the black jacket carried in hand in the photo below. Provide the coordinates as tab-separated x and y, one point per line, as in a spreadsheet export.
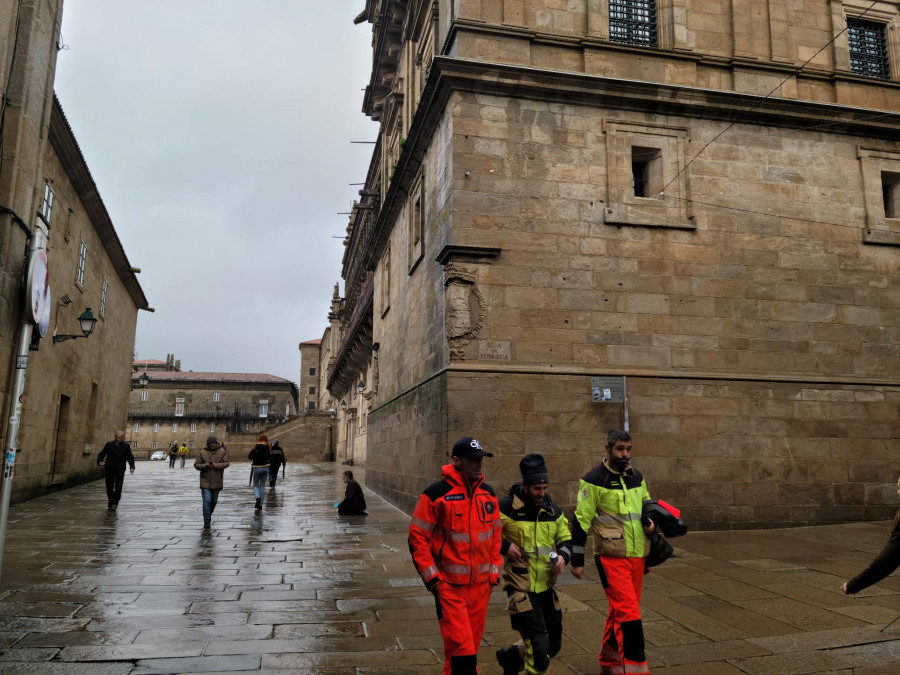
116	456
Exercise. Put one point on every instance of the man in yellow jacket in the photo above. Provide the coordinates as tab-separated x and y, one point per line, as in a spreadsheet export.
611	500
536	546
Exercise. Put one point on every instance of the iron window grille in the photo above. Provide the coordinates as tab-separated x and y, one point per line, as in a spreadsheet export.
868	48
633	22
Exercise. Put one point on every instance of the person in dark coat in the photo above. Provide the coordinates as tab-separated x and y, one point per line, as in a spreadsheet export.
259	470
354	503
114	457
276	460
885	562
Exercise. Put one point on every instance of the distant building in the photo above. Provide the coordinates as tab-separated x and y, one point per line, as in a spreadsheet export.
189	406
309	375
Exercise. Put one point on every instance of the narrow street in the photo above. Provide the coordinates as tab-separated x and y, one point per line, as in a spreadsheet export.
297	589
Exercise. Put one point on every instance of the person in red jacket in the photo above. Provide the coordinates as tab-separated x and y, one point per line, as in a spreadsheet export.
454	539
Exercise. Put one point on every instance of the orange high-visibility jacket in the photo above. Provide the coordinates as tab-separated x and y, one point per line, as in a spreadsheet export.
454	534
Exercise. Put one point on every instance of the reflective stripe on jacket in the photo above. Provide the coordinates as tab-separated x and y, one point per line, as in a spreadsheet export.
536	530
454	534
609	507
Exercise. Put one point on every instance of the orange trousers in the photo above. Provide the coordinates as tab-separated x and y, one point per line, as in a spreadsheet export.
622	651
462	611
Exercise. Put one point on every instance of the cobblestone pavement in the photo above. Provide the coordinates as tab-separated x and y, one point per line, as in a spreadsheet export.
297	589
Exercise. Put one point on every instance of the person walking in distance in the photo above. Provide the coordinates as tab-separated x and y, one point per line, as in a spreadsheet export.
211	463
276	461
260	456
182	453
884	563
610	503
173	454
454	539
537	545
114	457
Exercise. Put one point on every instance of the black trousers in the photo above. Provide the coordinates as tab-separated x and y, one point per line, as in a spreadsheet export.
114	480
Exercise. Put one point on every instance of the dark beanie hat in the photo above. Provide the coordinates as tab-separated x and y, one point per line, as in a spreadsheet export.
534	470
211	439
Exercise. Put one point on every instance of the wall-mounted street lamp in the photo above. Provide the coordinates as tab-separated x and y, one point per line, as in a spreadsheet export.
142	381
343	404
86	321
360	388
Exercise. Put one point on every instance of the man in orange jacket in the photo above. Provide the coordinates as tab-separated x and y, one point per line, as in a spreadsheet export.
454	538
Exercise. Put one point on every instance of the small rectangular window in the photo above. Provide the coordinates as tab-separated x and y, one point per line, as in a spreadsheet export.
191	445
646	171
868	48
212	428
144	395
134	445
47	203
174	426
193	427
137	427
153	445
312	391
312	406
179	407
216	397
633	22
155	427
264	407
103	292
82	259
890	193
312	372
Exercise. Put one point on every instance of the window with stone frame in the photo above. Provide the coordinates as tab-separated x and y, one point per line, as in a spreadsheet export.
384	286
868	44
881	194
263	407
216	397
647	182
47	203
416	221
174	426
179	407
868	48
137	427
155	427
103	293
193	427
212	428
633	22
82	261
153	445
144	395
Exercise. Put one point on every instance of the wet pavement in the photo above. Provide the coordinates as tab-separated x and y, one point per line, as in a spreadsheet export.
297	589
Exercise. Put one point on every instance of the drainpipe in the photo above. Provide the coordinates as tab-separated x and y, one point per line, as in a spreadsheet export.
36	241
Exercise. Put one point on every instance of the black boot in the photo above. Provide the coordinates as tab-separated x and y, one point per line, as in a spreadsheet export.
258	503
510	660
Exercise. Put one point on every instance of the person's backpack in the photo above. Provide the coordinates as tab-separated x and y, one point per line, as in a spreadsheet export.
173	450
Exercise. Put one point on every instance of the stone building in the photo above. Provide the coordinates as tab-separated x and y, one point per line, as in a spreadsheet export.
187	407
74	393
698	202
309	375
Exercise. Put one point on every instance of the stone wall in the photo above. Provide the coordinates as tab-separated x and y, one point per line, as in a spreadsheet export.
309	437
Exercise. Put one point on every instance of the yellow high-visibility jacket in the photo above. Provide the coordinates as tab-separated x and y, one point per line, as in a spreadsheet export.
537	530
609	507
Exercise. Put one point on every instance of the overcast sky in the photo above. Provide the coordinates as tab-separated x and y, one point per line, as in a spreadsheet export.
219	135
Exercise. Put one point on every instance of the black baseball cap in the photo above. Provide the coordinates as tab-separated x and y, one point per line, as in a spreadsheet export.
469	447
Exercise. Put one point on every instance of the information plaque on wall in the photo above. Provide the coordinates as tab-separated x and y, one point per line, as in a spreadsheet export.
608	389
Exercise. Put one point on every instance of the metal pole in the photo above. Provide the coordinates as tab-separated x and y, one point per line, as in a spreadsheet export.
624	404
37	241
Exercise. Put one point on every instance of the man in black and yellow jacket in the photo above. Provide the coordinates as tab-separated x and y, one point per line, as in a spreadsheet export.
610	506
536	546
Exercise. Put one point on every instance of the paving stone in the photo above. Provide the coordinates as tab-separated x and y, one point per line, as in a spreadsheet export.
204	664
